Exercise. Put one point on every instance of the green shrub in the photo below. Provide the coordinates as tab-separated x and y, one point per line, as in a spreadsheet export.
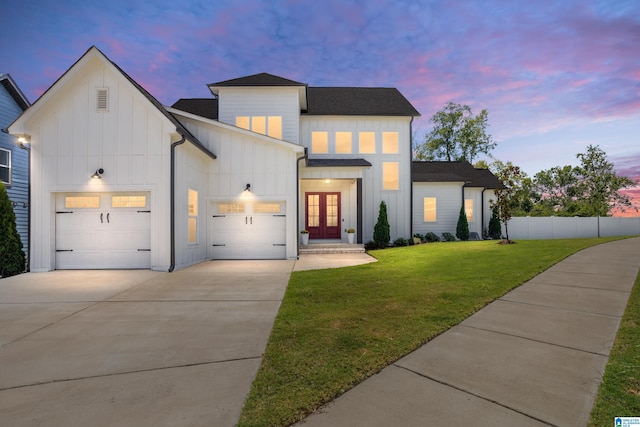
12	259
401	241
495	229
462	229
419	236
448	237
382	231
431	237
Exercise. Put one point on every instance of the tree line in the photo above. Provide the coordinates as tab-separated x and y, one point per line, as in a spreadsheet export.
593	188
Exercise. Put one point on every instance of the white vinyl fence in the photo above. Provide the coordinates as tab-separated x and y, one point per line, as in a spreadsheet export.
535	228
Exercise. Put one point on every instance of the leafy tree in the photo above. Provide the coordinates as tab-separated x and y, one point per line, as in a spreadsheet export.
462	228
524	197
382	231
12	259
590	189
505	196
456	135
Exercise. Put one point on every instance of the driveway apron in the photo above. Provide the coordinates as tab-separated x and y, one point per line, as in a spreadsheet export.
138	347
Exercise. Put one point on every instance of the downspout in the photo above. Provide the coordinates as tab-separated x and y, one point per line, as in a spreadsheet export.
482	212
173	202
306	156
28	149
411	178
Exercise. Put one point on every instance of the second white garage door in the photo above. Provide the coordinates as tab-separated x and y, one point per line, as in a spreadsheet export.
103	230
247	230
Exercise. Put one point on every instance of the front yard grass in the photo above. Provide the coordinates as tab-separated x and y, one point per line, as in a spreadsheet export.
337	327
619	393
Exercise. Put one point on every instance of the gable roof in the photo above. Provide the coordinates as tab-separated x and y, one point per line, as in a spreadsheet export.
94	51
10	85
204	107
460	171
261	79
325	101
359	101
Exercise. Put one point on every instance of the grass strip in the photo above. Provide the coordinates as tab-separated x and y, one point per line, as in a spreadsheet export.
619	392
337	327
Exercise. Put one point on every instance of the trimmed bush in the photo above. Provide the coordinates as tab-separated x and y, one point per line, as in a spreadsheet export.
12	258
382	230
462	229
495	229
448	237
431	237
401	241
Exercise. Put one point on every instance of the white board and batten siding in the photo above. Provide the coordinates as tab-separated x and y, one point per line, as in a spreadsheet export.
448	197
70	139
397	201
269	166
263	101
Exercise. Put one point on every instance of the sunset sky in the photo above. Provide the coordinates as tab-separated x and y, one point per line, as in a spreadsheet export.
555	76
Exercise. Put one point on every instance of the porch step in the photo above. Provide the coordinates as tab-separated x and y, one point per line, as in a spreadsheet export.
331	248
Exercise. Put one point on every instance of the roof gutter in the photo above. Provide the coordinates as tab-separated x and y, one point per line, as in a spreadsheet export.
411	178
28	150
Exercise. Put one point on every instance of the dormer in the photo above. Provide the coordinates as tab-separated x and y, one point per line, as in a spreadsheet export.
263	103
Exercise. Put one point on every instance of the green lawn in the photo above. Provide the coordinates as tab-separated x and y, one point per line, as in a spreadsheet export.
619	394
337	327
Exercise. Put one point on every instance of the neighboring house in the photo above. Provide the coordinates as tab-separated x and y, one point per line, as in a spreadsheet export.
120	181
14	161
440	189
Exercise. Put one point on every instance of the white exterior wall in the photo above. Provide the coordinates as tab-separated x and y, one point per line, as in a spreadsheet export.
70	140
448	197
262	101
398	201
192	168
247	158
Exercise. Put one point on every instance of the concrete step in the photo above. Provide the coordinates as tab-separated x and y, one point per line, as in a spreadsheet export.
331	248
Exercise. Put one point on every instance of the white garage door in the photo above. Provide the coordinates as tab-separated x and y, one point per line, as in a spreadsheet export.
103	230
247	230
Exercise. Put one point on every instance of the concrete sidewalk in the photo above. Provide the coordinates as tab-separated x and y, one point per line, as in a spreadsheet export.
534	357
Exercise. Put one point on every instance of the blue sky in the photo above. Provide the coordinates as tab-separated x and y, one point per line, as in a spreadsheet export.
555	76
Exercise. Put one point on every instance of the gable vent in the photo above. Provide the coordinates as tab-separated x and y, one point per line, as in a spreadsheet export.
102	99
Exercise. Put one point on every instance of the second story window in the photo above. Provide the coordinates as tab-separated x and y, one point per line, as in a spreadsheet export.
319	142
5	166
343	142
265	125
390	142
367	142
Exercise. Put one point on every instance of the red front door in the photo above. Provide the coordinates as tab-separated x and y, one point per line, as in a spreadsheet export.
323	215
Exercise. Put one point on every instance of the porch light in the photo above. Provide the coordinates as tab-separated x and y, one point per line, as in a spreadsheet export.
248	187
327	181
98	174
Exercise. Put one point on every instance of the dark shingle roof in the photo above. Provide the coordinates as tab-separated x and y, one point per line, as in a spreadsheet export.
15	92
461	171
204	107
262	79
358	101
316	163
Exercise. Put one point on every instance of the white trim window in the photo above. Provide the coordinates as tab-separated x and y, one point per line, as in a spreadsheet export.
5	166
192	220
429	209
265	125
468	209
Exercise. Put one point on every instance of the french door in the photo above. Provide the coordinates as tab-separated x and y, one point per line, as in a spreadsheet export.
323	215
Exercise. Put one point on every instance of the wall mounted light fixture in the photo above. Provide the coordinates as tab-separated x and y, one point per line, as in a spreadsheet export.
98	174
248	187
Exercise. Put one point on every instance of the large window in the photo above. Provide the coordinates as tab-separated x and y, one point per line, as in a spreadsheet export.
193	217
367	142
343	143
429	209
390	176
319	142
390	142
5	166
265	125
468	209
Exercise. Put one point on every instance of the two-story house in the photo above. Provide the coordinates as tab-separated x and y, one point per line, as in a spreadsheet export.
14	161
121	181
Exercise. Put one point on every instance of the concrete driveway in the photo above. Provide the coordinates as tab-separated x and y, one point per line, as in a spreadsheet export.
135	348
